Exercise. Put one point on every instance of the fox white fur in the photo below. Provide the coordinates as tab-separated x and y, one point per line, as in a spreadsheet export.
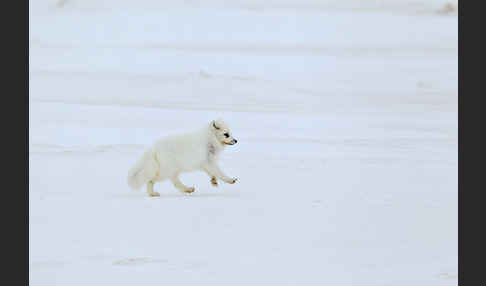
171	156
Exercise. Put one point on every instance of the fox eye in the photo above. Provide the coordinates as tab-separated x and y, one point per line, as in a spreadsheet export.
226	135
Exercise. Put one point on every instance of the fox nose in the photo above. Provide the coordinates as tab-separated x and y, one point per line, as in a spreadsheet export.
234	141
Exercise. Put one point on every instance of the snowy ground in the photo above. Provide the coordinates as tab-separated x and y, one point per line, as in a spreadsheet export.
346	121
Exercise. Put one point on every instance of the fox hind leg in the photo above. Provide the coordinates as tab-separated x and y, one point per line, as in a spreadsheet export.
150	189
180	186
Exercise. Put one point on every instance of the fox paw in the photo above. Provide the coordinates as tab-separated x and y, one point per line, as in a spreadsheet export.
214	182
189	190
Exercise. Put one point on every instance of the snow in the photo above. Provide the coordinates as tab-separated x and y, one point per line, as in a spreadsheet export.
346	118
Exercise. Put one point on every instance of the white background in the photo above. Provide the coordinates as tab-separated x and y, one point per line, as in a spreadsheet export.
346	118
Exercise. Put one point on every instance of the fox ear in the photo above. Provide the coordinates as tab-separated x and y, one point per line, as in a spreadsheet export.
214	125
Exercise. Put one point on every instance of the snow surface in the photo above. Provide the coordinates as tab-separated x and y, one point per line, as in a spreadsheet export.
346	118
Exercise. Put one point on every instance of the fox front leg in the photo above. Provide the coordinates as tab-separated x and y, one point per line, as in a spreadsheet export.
213	179
215	172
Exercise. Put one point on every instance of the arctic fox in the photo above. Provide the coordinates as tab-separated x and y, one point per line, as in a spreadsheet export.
174	155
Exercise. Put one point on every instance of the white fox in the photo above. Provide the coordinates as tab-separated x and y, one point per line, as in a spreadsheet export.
173	155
